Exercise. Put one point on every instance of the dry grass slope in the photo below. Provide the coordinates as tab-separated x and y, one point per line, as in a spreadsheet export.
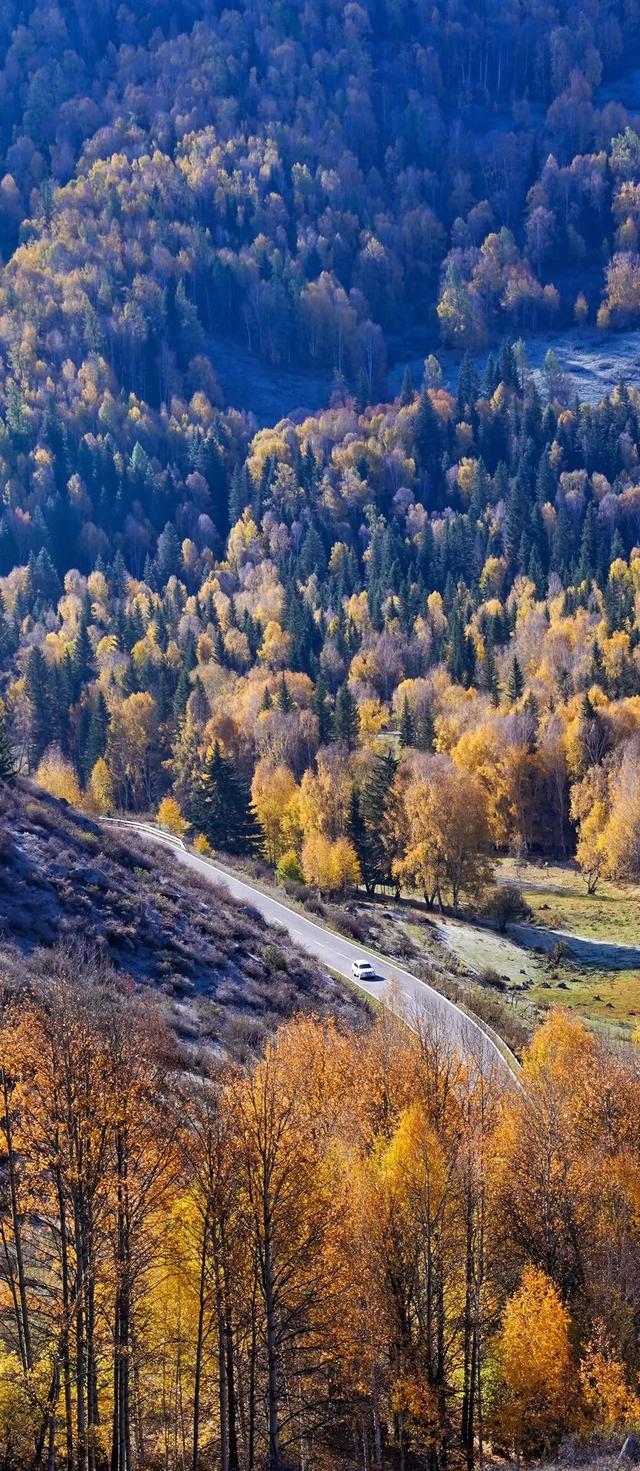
227	978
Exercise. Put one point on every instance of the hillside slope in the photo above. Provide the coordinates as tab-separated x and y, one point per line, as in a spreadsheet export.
226	976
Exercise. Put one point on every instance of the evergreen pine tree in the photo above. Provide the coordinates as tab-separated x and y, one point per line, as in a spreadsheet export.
220	806
167	554
468	387
189	655
239	494
407	390
41	706
199	702
150	574
489	673
588	546
597	670
96	740
46	583
283	698
219	648
426	555
376	795
62	691
425	730
425	432
346	722
507	366
81	658
130	681
536	572
562	545
515	682
407	731
357	832
517	520
588	712
491	379
617	547
313	557
524	552
183	690
7	763
322	711
118	574
545	478
162	632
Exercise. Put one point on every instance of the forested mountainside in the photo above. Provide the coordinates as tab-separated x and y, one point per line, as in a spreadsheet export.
379	643
194	609
309	179
453	578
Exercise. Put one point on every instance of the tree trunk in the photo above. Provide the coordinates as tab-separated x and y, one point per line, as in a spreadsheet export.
199	1344
25	1329
232	1407
273	1409
81	1417
66	1320
121	1437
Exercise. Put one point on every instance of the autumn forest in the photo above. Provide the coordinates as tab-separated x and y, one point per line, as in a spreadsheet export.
363	650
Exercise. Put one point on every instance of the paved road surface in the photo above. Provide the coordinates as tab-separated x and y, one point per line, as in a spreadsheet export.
395	987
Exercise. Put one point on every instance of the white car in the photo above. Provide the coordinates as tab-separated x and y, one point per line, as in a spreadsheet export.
362	970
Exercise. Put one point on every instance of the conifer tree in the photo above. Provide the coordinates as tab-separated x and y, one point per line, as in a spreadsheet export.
589	546
81	658
283	698
375	838
407	725
46	583
425	431
168	553
239	494
490	673
597	671
183	690
96	740
220	806
199	703
407	391
7	763
41	718
425	730
515	682
517	519
536	572
321	709
346	719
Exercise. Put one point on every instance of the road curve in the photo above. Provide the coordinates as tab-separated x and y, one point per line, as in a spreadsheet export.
397	989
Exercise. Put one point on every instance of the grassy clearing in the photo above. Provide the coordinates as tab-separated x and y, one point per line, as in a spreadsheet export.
484	950
609	999
606	997
558	898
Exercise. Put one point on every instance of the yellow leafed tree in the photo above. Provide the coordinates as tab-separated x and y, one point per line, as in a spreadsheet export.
535	1360
170	816
56	776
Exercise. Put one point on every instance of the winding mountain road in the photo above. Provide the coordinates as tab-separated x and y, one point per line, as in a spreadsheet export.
396	988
